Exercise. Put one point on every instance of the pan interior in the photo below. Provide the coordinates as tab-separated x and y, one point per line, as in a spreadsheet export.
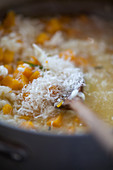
95	35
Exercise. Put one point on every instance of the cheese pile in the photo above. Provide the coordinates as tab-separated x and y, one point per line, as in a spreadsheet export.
58	79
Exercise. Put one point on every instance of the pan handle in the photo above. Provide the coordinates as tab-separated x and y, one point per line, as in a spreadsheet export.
13	151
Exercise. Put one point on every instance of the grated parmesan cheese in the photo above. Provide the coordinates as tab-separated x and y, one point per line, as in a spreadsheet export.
57	82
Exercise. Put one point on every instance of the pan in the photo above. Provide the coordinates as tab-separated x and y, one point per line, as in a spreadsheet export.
22	149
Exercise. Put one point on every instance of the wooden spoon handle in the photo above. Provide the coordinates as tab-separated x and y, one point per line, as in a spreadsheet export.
101	130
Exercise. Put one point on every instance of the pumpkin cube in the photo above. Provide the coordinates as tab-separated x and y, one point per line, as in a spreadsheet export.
10	68
7	81
24	80
41	38
8	56
53	25
9	21
7	109
11	82
27	72
56	122
19	71
16	85
35	75
34	61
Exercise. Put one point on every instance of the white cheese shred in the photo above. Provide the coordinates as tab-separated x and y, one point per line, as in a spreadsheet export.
57	82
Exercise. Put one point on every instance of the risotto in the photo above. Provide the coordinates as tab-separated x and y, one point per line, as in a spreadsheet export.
38	54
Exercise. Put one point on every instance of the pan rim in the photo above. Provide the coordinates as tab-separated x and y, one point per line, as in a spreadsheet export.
41	133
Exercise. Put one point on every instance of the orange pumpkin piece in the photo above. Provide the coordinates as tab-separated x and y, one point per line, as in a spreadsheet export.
56	122
19	71
16	74
27	72
11	82
8	56
1	54
7	109
35	75
68	54
22	70
34	61
27	124
10	68
7	81
53	25
41	38
16	85
9	21
24	80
